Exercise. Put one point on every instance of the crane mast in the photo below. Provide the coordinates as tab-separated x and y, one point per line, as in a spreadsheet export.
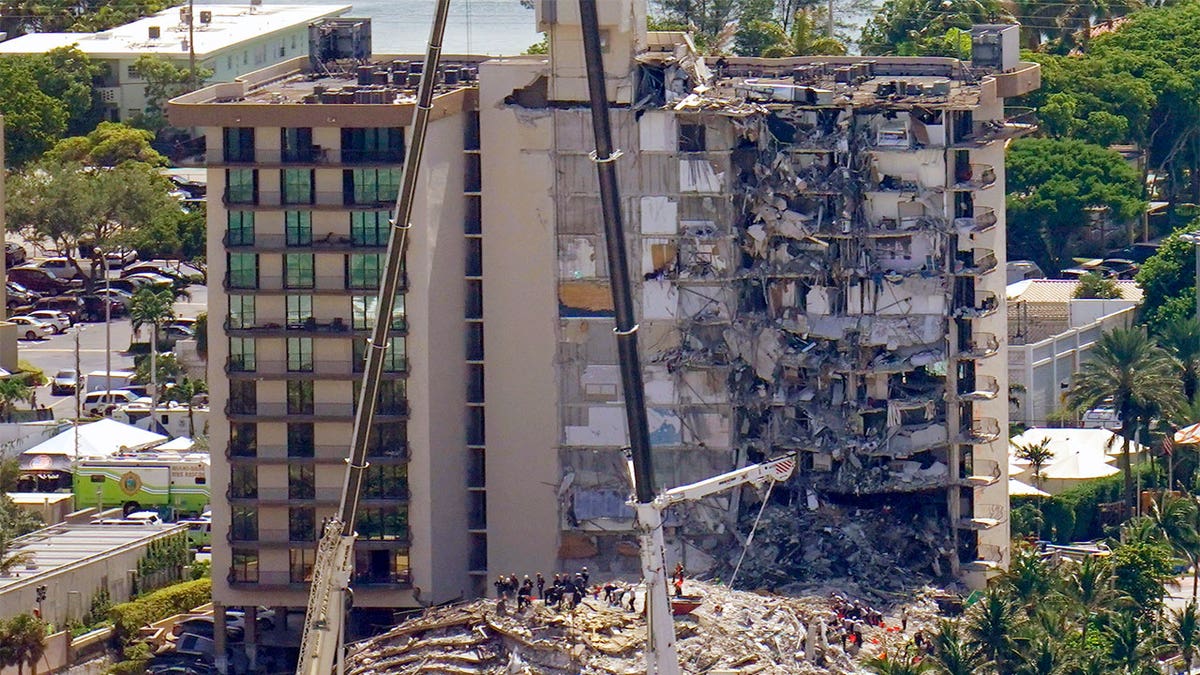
321	646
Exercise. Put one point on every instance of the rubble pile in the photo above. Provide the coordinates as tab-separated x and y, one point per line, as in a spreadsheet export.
731	632
877	553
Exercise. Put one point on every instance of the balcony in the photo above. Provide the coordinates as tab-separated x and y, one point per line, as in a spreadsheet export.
986	304
331	412
331	241
986	517
318	454
983	221
246	199
333	284
282	368
974	176
991	559
980	473
1017	122
273	579
981	345
313	155
285	496
984	388
975	263
279	327
982	430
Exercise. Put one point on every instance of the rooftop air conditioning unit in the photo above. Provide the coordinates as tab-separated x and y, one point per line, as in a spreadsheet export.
155	32
205	16
185	15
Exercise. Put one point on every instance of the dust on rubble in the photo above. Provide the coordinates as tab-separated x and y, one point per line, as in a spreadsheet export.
731	632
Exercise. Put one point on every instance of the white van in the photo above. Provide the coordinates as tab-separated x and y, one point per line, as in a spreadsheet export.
97	403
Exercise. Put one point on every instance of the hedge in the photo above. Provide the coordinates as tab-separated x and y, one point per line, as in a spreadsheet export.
129	617
1074	514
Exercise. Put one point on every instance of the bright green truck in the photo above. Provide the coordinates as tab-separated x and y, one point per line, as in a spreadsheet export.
175	485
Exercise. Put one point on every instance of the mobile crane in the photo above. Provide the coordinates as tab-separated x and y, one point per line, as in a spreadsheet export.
322	644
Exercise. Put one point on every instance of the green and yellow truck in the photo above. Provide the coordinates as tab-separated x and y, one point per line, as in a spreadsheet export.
174	484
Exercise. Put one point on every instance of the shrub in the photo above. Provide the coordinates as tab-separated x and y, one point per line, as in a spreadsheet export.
129	617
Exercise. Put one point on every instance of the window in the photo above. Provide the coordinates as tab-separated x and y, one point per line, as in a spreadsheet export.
243	523
297	186
297	144
390	399
364	270
381	566
243	481
239	144
300	355
243	270
383	523
370	186
245	566
299	311
370	228
393	359
243	439
298	270
388	439
300	397
302	481
241	186
302	523
361	146
240	230
362	312
300	565
300	439
241	355
241	311
692	138
385	481
243	397
132	72
298	225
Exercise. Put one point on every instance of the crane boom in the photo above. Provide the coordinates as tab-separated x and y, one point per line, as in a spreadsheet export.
778	470
324	622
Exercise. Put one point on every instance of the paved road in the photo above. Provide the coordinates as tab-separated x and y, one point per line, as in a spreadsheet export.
58	352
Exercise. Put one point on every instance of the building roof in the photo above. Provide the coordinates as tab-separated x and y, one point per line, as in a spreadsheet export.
231	25
1062	290
58	546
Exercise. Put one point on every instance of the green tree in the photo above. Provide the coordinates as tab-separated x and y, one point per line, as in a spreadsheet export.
1137	375
60	16
152	307
27	635
1053	187
951	653
755	36
1181	337
1037	454
1088	588
164	81
33	119
900	24
1177	518
202	335
12	391
109	144
708	17
807	38
69	75
185	392
992	629
907	661
1183	634
1168	281
1131	645
1140	572
1092	286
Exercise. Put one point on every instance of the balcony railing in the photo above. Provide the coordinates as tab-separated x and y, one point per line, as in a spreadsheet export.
984	388
981	472
983	220
990	558
986	517
328	453
318	284
330	241
1017	122
974	176
982	430
982	345
976	262
319	409
331	495
283	579
986	304
271	537
313	154
284	367
240	197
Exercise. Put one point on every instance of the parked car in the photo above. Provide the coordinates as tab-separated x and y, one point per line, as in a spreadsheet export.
58	320
19	296
70	305
30	328
98	403
14	254
122	257
94	309
64	382
174	333
40	280
1121	267
264	619
62	268
157	267
129	286
153	279
204	627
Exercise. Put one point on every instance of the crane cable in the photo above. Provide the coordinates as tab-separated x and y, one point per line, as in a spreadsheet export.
750	537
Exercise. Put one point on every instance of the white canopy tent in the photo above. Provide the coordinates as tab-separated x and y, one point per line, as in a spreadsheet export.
103	438
1078	455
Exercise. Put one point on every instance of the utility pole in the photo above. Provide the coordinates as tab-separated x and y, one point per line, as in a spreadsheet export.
192	42
829	30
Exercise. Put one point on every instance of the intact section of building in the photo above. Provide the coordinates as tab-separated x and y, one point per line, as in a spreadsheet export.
229	40
819	244
304	164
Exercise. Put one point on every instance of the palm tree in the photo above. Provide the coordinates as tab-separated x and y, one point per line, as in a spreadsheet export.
908	662
27	635
1042	659
12	390
1179	519
1037	454
951	654
1183	634
1130	649
1028	578
1138	376
1088	586
992	628
152	307
185	392
1181	337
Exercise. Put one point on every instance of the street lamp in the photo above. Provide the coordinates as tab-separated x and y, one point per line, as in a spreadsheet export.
108	328
1194	239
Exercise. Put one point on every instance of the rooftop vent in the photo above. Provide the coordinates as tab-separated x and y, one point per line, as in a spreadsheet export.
205	16
155	32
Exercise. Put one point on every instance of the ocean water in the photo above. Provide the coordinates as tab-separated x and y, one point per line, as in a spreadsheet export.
474	27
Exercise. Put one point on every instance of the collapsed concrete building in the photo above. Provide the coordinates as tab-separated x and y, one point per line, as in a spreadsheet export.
821	246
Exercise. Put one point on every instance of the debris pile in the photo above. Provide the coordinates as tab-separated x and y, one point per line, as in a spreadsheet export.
732	631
